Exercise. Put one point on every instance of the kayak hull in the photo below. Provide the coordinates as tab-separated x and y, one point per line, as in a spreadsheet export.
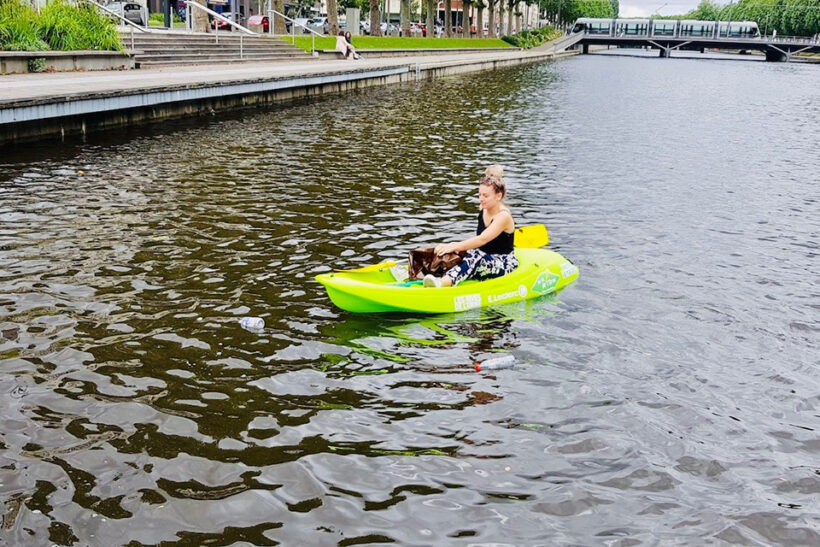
540	272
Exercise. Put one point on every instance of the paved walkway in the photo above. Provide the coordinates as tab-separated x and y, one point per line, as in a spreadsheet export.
25	88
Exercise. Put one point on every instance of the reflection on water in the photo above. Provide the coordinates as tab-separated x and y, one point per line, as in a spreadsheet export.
669	396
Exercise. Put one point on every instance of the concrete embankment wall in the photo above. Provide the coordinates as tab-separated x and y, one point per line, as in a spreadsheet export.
59	117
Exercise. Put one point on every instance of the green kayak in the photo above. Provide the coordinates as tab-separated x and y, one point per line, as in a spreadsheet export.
539	272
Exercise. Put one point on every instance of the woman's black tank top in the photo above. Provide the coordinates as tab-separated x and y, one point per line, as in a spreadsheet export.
501	245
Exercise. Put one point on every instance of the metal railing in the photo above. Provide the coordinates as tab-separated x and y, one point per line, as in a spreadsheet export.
131	25
216	16
794	39
293	25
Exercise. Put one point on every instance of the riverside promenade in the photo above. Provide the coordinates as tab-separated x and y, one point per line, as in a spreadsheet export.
55	105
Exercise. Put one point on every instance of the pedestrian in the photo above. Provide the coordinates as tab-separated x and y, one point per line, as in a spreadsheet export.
349	40
490	252
344	47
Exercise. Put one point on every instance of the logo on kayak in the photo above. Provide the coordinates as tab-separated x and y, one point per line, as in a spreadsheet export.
467	302
521	292
568	269
544	283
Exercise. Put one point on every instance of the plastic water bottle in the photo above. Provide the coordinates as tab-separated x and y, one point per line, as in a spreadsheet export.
252	323
497	363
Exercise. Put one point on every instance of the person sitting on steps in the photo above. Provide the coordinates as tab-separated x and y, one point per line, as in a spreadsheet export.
490	252
344	47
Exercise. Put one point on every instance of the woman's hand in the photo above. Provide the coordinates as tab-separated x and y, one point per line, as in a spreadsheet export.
445	248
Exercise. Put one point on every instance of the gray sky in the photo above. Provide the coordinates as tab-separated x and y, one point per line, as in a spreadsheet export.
644	8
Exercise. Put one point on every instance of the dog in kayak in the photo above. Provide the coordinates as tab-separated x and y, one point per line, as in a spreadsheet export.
490	251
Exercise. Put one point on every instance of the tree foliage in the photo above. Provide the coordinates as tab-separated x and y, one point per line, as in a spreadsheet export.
788	17
573	9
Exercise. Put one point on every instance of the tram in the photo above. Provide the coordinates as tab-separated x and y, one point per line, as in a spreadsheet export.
665	28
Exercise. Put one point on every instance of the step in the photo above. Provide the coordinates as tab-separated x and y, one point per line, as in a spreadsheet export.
195	38
205	39
186	51
198	57
219	45
222	62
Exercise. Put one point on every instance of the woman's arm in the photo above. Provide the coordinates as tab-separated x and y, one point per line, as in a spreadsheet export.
501	221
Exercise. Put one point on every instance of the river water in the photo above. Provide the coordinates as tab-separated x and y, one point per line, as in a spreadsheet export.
670	396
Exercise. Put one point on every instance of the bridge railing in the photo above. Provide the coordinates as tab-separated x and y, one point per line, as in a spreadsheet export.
794	39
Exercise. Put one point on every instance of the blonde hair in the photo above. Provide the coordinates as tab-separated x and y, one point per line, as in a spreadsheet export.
495	183
495	171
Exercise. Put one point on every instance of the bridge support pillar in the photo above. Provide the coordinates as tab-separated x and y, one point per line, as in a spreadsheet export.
665	53
585	49
776	56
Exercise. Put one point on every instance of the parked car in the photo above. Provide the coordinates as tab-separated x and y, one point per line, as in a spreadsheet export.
326	26
317	24
364	27
131	11
259	21
301	23
389	29
222	25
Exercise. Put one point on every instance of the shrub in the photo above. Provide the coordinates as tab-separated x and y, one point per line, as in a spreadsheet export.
67	27
528	39
37	64
18	27
60	26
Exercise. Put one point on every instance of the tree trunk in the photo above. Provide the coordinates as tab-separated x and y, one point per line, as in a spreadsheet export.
448	18
465	20
479	22
279	26
332	18
199	20
375	16
491	19
405	18
432	6
510	19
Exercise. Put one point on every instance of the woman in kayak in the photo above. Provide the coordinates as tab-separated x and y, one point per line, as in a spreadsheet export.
490	252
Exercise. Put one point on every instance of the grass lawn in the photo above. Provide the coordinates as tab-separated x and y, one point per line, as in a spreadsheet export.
390	42
176	24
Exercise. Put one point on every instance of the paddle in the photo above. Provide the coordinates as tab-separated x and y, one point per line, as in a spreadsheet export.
532	237
372	267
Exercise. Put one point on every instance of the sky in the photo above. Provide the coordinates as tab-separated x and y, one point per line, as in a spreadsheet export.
645	8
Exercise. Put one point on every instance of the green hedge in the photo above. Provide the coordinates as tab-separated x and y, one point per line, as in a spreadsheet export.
528	39
60	26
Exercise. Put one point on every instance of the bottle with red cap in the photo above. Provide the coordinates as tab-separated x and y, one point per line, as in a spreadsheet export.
497	363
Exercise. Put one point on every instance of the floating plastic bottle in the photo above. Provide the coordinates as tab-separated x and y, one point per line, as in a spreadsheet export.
252	323
497	363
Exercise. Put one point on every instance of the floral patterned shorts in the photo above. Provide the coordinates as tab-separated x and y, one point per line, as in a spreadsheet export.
480	265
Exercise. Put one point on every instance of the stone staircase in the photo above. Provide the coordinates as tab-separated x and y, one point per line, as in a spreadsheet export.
157	49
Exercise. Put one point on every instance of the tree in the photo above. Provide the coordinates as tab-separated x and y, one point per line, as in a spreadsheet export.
491	18
465	18
432	5
479	22
375	16
199	19
279	26
405	17
332	18
448	18
511	4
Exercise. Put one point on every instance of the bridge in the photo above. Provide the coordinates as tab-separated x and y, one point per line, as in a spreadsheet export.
777	49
